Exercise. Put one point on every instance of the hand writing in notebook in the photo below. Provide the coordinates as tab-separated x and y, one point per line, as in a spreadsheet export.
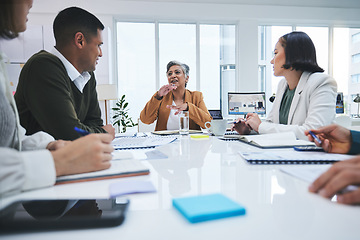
253	121
241	127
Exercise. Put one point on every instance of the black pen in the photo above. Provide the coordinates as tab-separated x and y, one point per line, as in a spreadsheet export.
81	131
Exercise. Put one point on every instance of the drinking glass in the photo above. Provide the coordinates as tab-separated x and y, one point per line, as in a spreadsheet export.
184	123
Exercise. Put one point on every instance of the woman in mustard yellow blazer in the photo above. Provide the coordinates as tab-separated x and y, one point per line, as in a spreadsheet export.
173	98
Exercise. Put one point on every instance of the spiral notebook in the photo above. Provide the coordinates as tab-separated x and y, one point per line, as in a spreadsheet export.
270	140
292	157
123	143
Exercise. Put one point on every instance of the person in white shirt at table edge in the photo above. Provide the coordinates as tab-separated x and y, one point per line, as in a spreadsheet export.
305	98
34	161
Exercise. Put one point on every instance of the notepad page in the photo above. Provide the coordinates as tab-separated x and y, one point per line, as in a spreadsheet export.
293	156
268	137
139	142
288	136
171	132
306	173
283	139
281	143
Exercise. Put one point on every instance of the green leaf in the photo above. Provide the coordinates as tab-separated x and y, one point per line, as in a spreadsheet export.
121	114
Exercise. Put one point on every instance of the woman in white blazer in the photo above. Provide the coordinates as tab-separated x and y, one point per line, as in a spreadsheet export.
305	98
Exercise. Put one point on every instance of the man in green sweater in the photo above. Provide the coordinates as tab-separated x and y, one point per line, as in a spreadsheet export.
56	91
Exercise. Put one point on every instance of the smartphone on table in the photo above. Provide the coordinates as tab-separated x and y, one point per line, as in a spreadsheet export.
309	148
62	214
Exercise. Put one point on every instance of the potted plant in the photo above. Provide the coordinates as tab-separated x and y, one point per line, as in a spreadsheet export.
121	116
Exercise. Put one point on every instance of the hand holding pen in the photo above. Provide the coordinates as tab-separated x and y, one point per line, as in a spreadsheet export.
332	138
253	121
241	127
86	154
238	121
82	132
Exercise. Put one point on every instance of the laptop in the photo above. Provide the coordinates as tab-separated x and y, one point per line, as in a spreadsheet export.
216	114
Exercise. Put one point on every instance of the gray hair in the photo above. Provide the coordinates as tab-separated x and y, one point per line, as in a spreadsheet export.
183	66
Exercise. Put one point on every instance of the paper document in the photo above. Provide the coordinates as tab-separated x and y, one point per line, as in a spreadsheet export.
292	157
141	142
172	132
130	186
271	140
119	168
306	173
311	173
140	154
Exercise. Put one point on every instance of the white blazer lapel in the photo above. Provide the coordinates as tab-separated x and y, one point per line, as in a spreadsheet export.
299	89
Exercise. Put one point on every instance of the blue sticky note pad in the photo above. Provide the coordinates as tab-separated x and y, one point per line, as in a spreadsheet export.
207	207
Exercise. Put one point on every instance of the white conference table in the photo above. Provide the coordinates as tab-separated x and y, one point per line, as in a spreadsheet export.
278	205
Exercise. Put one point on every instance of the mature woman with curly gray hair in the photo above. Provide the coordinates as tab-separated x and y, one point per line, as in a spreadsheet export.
173	98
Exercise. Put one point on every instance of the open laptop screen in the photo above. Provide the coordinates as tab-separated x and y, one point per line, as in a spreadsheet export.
216	114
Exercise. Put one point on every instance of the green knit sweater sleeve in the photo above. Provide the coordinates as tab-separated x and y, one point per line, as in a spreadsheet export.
48	100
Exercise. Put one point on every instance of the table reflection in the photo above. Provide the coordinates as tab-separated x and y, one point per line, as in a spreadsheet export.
185	155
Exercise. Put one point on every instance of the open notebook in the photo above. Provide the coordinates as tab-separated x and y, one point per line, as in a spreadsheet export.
125	143
292	157
119	168
271	140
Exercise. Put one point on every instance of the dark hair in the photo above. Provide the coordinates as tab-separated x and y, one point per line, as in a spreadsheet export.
184	67
72	20
300	53
7	21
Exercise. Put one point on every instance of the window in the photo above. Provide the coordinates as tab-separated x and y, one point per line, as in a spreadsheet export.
320	38
355	38
227	65
136	64
355	78
262	58
275	33
340	61
177	42
268	37
144	49
356	58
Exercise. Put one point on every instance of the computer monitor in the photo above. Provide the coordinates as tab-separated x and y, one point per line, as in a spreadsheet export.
246	102
340	103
